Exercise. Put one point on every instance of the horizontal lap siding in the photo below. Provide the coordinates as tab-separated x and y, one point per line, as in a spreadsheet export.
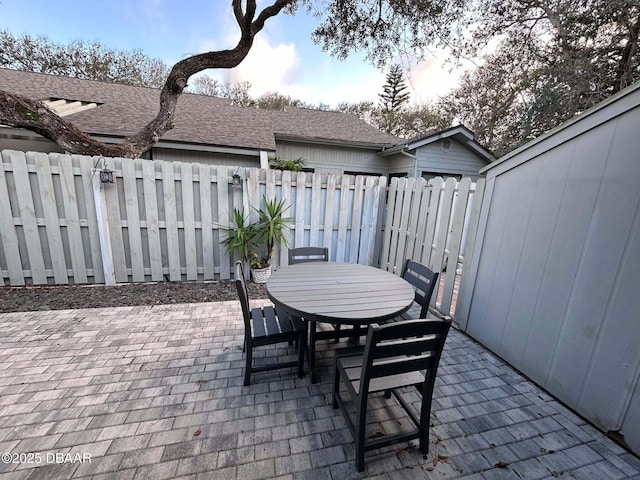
328	159
458	160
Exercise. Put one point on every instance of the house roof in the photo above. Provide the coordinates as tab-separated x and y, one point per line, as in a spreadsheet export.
460	133
123	110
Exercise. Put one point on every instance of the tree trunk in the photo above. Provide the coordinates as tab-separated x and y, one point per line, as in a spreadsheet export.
21	112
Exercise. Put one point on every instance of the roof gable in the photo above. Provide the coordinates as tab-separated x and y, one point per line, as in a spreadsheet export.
460	133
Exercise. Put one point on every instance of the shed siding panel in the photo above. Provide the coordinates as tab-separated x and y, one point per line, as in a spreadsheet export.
556	290
458	160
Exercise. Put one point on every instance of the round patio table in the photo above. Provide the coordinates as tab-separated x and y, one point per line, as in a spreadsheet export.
338	293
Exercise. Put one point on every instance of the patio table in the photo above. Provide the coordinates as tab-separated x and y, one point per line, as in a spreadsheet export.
338	293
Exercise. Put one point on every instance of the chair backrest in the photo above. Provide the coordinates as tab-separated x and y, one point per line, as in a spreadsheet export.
243	295
308	254
424	281
403	347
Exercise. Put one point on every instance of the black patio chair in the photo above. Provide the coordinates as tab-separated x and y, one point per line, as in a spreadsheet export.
308	254
424	282
268	326
396	355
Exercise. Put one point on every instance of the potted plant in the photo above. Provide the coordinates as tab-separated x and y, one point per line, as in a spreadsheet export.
255	242
269	233
240	236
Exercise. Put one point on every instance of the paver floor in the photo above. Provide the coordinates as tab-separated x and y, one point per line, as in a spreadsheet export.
156	392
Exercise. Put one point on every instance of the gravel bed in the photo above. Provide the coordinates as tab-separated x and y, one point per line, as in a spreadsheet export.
23	299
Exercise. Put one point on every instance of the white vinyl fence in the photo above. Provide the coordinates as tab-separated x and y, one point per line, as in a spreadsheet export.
162	220
432	222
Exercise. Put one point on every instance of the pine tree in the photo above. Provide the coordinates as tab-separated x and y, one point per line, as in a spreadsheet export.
393	97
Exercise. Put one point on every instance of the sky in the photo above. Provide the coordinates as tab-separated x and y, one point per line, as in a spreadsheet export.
283	58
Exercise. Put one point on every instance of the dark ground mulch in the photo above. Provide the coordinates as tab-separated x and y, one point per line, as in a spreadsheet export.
23	299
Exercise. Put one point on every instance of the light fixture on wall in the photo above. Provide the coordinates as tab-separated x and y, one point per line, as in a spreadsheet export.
237	180
106	175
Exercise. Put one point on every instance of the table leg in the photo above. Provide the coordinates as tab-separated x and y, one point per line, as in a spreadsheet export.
312	351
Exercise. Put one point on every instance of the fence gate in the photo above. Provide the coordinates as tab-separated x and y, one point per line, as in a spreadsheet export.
432	222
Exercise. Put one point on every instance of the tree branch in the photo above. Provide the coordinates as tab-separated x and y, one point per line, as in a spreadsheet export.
22	112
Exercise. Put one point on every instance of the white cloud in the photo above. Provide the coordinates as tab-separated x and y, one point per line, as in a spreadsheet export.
267	67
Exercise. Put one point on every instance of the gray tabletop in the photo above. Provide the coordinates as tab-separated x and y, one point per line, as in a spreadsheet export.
340	292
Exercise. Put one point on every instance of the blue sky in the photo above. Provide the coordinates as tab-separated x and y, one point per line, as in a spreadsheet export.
283	59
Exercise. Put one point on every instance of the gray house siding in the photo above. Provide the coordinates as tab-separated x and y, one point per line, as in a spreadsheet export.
211	158
457	160
333	159
25	141
554	286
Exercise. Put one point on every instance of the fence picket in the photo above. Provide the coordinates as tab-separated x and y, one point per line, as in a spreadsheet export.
206	222
343	217
171	221
8	234
225	213
300	205
152	219
356	219
316	199
434	204
86	179
28	216
189	220
457	225
133	219
329	216
115	222
386	242
51	217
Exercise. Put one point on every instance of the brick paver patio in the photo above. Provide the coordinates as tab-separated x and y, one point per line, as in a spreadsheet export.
156	392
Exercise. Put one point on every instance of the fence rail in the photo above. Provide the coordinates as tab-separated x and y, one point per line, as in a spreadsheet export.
163	221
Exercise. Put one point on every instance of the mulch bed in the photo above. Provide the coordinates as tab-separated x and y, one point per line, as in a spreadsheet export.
23	299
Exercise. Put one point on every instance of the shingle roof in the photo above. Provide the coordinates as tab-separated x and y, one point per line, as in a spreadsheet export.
123	110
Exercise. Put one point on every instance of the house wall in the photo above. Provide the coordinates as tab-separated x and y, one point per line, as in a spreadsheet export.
401	165
457	160
333	159
27	143
554	285
209	158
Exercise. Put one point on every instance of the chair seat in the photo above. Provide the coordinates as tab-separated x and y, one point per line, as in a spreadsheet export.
268	325
351	360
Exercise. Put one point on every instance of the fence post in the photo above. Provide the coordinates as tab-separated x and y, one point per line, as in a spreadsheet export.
103	230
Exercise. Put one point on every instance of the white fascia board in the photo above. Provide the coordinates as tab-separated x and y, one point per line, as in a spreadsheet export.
322	141
573	127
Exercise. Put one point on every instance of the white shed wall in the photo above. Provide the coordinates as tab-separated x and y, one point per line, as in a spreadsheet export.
554	287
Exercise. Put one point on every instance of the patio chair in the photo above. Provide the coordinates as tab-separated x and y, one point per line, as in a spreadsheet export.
308	254
424	281
268	326
396	355
317	254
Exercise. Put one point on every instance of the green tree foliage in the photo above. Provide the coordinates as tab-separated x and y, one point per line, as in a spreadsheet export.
87	60
394	94
555	59
393	98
